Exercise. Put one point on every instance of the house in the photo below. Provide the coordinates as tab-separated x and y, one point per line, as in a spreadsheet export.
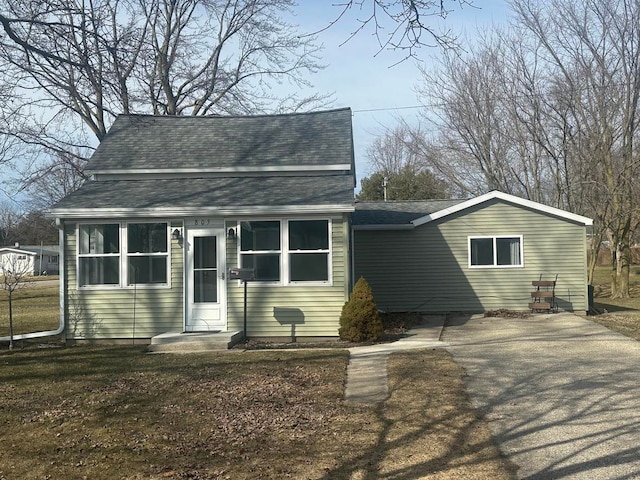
31	259
469	255
17	260
175	204
46	258
179	209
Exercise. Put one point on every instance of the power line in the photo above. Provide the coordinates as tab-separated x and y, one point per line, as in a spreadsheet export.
408	107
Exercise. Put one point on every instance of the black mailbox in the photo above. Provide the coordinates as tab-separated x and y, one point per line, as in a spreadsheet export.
244	274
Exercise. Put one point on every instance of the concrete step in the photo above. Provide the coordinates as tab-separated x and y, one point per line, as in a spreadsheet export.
194	341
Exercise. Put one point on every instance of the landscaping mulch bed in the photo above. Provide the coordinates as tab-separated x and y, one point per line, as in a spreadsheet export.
396	325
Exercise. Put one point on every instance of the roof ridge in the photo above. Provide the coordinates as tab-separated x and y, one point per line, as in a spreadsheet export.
414	201
212	116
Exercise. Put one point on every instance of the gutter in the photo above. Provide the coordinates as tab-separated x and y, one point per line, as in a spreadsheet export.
60	329
374	227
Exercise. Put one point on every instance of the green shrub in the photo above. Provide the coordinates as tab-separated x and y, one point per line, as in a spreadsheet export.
360	320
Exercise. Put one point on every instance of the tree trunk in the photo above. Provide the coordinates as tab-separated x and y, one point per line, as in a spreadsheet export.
10	323
614	273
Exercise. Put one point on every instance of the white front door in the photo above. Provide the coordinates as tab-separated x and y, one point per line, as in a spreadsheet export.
205	276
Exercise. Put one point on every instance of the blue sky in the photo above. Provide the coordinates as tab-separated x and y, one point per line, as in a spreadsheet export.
365	79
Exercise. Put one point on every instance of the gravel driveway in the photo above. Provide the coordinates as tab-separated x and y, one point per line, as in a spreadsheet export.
561	393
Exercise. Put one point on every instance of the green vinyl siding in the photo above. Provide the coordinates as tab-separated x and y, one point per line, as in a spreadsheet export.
115	313
427	268
292	310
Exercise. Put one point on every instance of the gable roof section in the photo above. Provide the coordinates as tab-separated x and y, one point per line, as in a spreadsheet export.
556	212
395	215
408	215
295	142
270	164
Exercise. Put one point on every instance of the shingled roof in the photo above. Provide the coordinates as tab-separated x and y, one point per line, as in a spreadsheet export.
170	142
403	215
222	194
397	213
159	165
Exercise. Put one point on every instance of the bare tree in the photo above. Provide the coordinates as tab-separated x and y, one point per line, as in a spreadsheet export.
547	110
398	171
54	179
595	49
77	66
406	25
15	273
465	103
393	151
9	219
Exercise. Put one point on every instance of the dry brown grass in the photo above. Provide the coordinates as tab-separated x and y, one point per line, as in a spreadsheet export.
626	323
36	307
89	412
621	315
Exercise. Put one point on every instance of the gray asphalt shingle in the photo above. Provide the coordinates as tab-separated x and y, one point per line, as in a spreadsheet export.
166	142
397	212
212	192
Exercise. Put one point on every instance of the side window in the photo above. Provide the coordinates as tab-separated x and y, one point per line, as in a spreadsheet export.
503	251
99	254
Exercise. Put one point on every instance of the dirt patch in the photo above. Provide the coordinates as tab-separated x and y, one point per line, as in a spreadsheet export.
503	313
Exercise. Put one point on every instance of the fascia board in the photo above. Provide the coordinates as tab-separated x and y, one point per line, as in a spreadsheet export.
507	198
198	211
404	226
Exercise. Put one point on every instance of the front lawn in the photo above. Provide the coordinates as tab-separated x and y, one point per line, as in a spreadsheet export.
36	308
116	412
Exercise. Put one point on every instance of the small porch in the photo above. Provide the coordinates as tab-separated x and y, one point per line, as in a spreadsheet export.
179	342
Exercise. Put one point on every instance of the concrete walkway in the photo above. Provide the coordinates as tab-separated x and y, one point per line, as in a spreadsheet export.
561	393
367	368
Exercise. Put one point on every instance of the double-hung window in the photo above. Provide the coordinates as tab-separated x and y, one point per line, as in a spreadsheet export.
147	253
308	251
499	251
99	254
260	243
286	251
123	254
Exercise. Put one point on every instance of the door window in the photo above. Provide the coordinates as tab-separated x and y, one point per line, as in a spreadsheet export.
205	270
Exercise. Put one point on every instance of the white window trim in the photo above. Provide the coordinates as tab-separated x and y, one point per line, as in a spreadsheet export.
495	251
284	252
123	255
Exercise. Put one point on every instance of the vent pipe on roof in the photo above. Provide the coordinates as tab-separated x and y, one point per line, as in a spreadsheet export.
17	244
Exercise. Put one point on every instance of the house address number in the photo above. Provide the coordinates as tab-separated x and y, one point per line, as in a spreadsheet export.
205	222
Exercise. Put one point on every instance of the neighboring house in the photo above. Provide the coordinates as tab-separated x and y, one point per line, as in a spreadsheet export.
469	256
36	260
46	260
16	259
176	202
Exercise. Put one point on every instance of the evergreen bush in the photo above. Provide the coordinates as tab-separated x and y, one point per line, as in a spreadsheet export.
360	320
